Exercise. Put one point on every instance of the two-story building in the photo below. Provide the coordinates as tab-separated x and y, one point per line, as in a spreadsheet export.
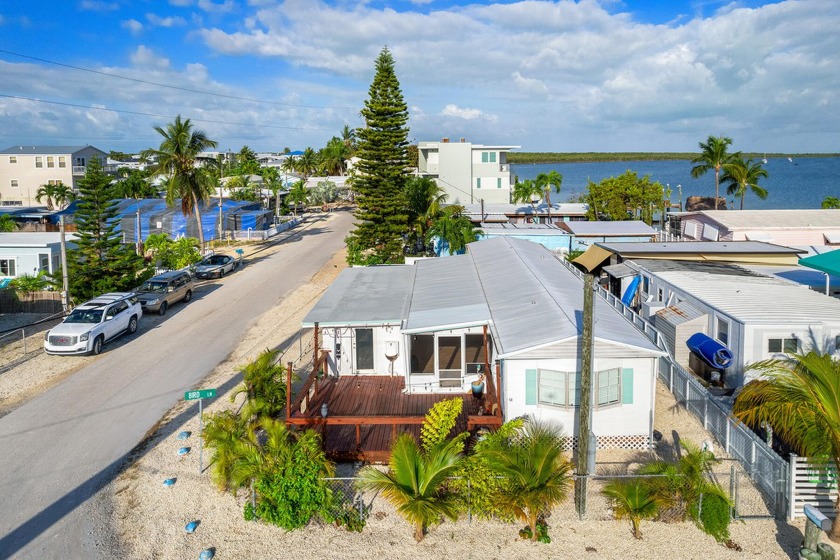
467	172
24	169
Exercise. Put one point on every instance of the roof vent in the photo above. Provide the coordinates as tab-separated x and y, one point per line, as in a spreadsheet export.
463	140
444	140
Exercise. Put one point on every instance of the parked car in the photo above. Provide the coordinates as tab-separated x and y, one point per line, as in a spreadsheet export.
90	325
161	291
215	266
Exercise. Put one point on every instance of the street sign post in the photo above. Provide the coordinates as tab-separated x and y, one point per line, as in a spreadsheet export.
200	394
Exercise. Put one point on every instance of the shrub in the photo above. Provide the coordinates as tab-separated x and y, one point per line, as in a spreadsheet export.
713	515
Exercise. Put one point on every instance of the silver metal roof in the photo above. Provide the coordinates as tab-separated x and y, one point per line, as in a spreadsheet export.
562	209
756	299
373	295
447	294
33	238
510	228
679	313
728	247
626	227
773	219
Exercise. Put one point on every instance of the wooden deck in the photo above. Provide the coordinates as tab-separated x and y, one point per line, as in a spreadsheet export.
366	412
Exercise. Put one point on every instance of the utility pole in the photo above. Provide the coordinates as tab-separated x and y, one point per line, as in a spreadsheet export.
65	282
585	439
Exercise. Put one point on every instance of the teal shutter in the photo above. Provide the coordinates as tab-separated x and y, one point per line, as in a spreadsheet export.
530	386
627	386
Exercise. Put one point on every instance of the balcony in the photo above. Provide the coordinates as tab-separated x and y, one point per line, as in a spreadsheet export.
79	169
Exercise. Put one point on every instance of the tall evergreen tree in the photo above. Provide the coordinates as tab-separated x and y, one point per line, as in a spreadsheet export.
381	171
100	262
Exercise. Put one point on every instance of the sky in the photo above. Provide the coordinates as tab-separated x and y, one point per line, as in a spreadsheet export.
564	76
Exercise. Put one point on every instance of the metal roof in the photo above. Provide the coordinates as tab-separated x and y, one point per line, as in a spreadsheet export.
33	239
679	313
535	300
447	294
773	219
716	247
627	227
372	295
726	269
755	299
44	150
510	228
565	209
622	270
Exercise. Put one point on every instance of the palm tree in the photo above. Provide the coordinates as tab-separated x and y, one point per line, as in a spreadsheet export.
548	182
799	396
223	432
306	163
58	193
538	472
331	158
348	136
176	158
713	154
453	229
265	380
28	284
527	191
425	200
271	180
632	499
298	194
414	481
740	175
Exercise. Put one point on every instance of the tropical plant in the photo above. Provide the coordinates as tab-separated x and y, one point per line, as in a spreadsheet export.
539	475
527	191
414	482
298	194
100	262
223	433
633	499
57	193
713	155
439	422
548	182
830	202
680	484
324	192
425	200
799	396
453	230
741	175
134	183
28	284
271	180
7	223
348	137
264	380
380	174
170	254
618	198
331	158
176	158
476	484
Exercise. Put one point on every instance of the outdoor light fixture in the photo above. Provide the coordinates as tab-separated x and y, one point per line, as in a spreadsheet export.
324	410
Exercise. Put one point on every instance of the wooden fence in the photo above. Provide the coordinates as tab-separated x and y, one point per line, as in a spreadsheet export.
47	302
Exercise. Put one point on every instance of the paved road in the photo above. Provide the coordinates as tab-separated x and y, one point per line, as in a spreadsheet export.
60	449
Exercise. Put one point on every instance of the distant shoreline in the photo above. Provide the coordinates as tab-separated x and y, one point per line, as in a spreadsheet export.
520	158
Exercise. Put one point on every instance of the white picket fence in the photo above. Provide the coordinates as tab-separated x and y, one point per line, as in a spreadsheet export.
811	482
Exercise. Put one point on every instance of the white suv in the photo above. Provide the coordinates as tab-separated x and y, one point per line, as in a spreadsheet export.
93	323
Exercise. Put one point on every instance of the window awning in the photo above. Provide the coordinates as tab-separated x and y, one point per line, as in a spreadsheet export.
593	257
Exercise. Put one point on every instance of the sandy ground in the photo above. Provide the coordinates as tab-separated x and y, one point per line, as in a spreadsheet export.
149	518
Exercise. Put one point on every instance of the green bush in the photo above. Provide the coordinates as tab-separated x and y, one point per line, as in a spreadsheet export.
714	516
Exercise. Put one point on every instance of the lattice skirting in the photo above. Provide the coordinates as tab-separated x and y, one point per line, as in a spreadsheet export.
640	442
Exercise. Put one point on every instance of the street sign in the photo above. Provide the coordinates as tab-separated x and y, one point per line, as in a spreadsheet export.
200	394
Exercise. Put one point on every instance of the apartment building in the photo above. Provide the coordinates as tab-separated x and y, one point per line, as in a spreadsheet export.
468	173
24	169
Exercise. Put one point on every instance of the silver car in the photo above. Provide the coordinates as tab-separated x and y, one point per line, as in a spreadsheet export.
161	291
215	266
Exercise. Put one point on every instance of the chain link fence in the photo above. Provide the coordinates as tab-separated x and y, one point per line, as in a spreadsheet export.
20	344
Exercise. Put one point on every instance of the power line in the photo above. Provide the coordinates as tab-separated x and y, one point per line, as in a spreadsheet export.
78	106
170	86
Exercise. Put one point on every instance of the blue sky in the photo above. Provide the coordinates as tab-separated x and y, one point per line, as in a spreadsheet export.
592	75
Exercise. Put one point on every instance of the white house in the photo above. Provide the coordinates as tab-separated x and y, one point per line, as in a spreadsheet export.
467	172
757	317
24	169
507	308
30	252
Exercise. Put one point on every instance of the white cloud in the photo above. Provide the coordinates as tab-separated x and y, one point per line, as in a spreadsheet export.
452	110
155	19
224	7
98	6
144	57
181	3
133	26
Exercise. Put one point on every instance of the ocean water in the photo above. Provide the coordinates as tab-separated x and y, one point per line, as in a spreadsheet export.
802	183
